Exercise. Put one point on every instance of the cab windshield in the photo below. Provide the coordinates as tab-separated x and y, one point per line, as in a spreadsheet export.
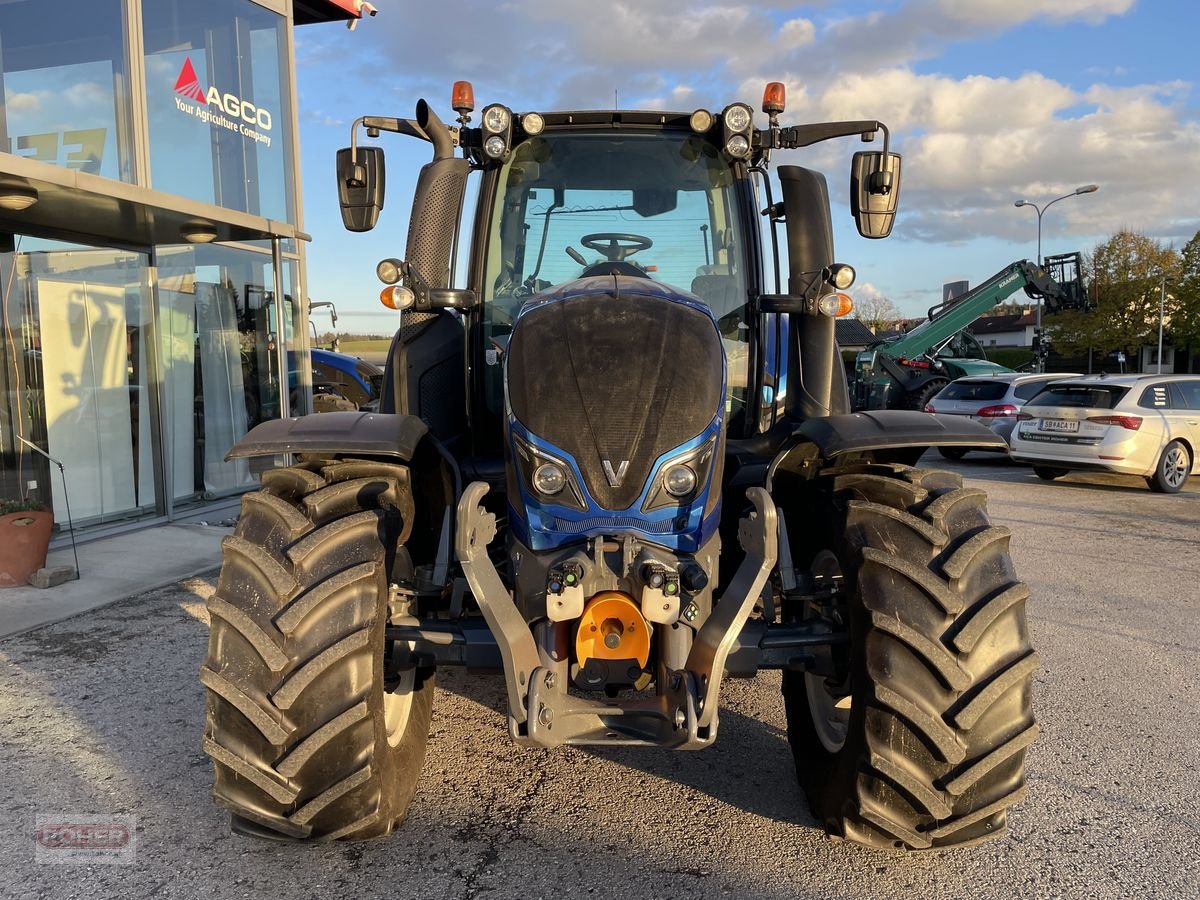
657	205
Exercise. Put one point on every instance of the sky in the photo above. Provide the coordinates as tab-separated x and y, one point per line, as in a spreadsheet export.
988	102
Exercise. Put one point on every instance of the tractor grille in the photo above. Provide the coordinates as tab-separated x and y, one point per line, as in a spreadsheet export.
620	523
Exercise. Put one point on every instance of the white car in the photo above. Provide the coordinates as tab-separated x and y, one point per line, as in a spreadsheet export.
1147	425
991	400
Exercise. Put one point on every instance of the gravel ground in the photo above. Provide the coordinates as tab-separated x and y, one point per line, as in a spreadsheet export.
102	714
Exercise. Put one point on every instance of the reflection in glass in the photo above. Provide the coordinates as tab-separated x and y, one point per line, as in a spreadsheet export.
65	86
76	372
217	309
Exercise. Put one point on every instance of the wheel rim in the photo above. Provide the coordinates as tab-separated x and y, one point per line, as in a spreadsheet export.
1175	467
830	711
397	706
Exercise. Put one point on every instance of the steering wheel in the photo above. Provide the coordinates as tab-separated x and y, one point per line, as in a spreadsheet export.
616	246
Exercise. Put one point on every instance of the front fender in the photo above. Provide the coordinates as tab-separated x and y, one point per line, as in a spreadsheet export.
829	437
358	433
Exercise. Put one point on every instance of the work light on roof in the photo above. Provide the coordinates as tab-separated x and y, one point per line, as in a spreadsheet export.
532	123
496	119
737	146
701	121
495	147
738	117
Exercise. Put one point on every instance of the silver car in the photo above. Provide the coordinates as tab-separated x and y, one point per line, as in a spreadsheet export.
1147	425
991	400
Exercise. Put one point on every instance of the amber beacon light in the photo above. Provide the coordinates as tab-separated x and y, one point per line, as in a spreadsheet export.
774	98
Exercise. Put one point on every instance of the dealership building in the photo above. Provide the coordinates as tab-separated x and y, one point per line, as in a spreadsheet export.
151	248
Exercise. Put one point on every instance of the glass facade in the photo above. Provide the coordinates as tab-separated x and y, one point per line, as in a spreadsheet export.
135	364
64	81
217	316
77	359
219	125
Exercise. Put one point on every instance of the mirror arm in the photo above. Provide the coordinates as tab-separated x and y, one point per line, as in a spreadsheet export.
374	125
806	135
881	182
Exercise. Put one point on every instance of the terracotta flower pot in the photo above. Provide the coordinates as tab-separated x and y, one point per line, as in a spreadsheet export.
24	540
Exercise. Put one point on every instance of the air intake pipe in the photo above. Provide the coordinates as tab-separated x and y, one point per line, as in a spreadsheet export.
816	386
437	204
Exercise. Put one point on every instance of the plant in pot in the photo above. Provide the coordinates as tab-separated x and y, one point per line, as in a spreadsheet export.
25	528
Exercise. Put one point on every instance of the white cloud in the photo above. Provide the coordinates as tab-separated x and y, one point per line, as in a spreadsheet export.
1002	13
936	103
24	102
797	33
971	144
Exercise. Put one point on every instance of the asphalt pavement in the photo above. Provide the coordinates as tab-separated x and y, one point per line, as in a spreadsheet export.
102	714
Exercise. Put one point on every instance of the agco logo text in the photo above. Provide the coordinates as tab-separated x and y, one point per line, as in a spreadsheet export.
213	107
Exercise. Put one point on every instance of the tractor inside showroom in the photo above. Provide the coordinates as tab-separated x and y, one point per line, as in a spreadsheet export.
615	463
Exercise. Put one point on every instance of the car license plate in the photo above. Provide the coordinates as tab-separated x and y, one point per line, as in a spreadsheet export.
1068	426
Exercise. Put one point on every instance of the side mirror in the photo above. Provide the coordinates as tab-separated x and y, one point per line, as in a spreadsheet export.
874	192
360	187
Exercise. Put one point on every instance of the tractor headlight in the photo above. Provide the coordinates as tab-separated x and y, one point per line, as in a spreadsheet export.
549	479
546	476
841	275
388	270
679	481
496	119
737	146
738	117
495	147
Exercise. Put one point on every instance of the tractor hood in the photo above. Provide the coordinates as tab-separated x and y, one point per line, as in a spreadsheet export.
617	378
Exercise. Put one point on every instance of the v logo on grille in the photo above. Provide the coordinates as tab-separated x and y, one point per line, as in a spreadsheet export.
615	477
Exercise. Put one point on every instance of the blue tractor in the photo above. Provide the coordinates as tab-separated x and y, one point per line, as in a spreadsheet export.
615	463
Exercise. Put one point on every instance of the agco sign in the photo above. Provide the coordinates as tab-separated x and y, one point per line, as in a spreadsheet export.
214	107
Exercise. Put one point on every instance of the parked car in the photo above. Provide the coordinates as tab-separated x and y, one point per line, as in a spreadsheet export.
1147	425
991	400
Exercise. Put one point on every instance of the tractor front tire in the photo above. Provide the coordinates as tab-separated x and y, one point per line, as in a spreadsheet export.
313	732
918	739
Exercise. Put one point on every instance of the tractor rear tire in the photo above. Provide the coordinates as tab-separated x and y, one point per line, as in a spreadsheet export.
918	741
313	732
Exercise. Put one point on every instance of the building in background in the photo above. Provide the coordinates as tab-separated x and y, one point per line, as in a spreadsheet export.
151	247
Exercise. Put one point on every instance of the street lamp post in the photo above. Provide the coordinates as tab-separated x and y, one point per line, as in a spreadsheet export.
1039	358
1162	302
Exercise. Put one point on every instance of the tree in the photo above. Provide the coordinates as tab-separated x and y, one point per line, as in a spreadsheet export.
1126	274
1007	309
1185	312
876	311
